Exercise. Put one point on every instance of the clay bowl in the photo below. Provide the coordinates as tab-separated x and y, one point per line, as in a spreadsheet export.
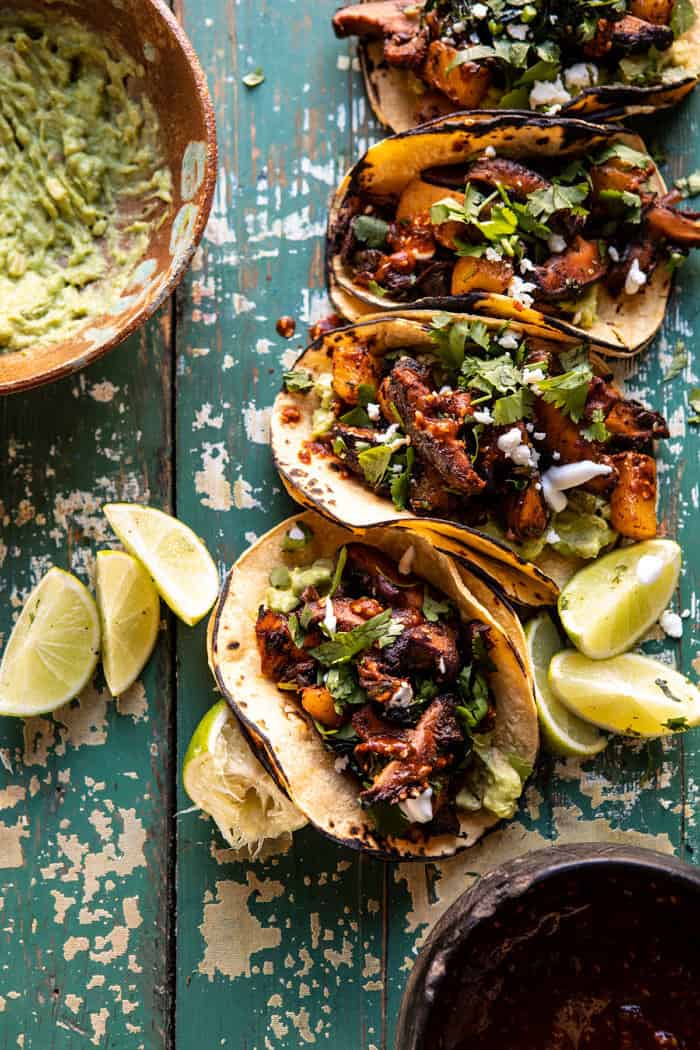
597	943
175	83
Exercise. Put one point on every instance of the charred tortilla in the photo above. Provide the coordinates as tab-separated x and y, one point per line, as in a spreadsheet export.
284	736
477	481
511	215
416	66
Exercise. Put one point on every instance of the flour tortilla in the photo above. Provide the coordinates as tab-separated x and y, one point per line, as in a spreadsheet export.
624	325
282	735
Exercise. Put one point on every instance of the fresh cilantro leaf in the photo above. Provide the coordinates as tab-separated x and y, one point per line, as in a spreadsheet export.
474	693
568	391
366	394
425	691
694	402
381	629
597	430
338	571
496	374
375	463
450	340
341	682
370	230
631	157
339	448
513	408
577	355
295	630
434	609
623	202
399	484
543	203
252	80
356	417
545	69
678	362
299	379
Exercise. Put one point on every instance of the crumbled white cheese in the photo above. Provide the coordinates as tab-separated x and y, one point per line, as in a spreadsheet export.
459	27
490	152
526	265
517	31
492	255
649	568
556	455
671	624
483	416
552	536
418	810
373	411
442	666
556	243
569	476
389	434
508	341
329	619
341	764
297	534
533	375
512	446
402	696
480	10
548	93
406	562
520	290
636	278
580	76
539	435
613	253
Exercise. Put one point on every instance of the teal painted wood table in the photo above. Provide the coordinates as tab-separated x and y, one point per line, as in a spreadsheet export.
124	922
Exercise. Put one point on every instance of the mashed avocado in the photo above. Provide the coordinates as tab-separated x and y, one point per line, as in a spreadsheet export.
82	178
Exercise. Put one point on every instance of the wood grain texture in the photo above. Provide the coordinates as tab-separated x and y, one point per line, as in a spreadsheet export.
310	947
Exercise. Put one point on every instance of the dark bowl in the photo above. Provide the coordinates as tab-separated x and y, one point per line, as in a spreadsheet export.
569	947
175	84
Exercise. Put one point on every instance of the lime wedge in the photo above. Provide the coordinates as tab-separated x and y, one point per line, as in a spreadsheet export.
631	695
53	649
129	609
607	606
224	779
563	733
181	566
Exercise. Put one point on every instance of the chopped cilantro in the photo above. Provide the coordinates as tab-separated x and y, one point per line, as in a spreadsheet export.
374	462
497	374
370	230
513	408
567	391
543	203
339	448
341	682
298	379
597	430
356	417
632	157
474	692
398	486
434	609
376	289
450	339
295	630
678	362
682	17
624	203
381	629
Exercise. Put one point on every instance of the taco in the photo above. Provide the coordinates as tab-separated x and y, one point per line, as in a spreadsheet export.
381	695
498	440
600	58
511	215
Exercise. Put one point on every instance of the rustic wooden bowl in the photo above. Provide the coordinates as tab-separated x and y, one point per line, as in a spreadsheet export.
177	87
563	911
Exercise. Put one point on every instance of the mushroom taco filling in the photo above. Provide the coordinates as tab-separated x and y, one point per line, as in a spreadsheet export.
473	422
397	682
590	238
425	59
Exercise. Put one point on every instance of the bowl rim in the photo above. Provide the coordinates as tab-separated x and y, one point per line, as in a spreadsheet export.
76	362
508	881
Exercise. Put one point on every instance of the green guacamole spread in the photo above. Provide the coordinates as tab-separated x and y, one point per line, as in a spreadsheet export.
83	182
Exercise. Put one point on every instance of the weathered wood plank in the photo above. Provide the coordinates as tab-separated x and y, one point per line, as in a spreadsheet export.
85	796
